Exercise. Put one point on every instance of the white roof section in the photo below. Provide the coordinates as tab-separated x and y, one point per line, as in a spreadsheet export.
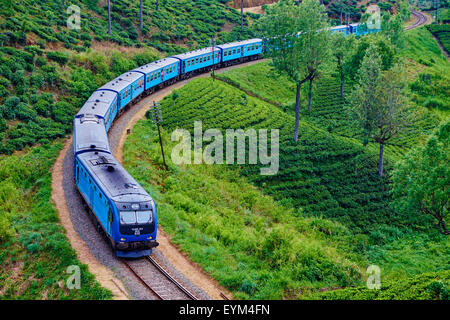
239	43
102	96
196	53
155	65
122	81
342	26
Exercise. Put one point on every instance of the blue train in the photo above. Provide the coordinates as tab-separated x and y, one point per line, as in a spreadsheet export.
120	208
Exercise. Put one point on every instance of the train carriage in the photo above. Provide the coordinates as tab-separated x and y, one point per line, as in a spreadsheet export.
119	206
89	134
343	29
198	60
240	50
158	72
102	103
128	86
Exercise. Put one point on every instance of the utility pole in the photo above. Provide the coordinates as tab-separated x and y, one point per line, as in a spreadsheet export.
155	111
213	45
141	24
109	17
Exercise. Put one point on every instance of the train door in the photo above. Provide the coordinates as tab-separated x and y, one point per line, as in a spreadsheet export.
110	220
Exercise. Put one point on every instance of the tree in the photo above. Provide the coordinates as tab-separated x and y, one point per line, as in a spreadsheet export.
109	17
141	24
422	179
342	48
297	42
393	28
157	5
379	102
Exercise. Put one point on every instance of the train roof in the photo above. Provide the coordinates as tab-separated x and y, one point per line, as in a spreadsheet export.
103	96
115	181
156	65
90	134
122	81
98	103
195	53
343	26
239	43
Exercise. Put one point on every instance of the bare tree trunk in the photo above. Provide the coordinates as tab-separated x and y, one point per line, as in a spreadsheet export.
341	11
342	85
157	5
242	15
310	94
109	17
380	165
141	24
297	111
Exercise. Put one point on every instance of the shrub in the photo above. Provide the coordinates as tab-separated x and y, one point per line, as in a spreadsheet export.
59	57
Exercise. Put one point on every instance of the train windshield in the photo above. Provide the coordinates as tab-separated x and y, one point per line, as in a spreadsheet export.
133	217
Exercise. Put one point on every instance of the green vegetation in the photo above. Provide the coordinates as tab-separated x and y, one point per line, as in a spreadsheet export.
426	286
255	247
442	32
34	251
328	175
421	180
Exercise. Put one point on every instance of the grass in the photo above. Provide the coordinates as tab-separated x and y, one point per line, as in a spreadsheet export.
256	247
34	250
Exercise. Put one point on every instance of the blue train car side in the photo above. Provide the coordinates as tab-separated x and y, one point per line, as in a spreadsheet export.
197	60
128	86
119	206
158	72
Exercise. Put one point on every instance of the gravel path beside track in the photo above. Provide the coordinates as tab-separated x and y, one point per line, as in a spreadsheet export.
116	276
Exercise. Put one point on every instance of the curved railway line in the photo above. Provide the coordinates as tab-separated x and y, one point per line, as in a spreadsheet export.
421	19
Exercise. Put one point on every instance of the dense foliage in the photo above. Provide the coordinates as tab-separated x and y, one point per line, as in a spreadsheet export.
442	32
30	235
421	180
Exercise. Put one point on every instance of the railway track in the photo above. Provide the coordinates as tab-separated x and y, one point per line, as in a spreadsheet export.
157	280
421	19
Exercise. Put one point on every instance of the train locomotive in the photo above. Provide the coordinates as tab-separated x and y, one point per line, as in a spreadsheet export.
119	207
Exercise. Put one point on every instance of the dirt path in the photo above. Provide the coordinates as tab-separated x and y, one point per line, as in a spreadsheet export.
103	274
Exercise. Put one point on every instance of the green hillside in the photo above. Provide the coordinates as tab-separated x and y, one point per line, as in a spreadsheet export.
254	246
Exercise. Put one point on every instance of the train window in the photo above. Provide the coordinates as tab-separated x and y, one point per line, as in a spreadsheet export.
127	217
196	60
239	50
234	51
189	63
209	58
256	46
90	181
144	216
225	53
100	195
95	188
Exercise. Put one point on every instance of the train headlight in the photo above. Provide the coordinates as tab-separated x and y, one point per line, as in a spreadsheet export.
135	206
